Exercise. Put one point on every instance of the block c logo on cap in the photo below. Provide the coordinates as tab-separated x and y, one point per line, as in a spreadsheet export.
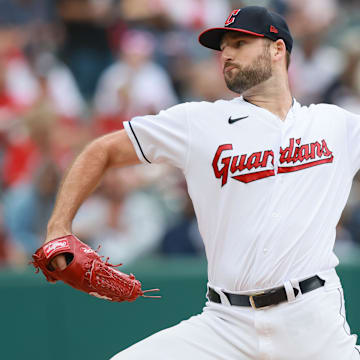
231	17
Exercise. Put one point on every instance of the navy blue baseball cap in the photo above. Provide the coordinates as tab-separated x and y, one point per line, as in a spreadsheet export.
253	20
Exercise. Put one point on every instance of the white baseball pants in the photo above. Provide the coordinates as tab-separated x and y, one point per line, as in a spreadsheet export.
312	326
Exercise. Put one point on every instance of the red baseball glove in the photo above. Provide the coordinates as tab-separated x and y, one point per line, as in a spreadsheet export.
86	271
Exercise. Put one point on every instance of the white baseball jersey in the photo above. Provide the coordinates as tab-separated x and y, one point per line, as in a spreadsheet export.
267	193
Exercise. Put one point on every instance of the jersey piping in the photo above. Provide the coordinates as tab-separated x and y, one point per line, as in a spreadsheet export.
137	141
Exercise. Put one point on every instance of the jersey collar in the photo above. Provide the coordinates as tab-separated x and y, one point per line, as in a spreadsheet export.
289	116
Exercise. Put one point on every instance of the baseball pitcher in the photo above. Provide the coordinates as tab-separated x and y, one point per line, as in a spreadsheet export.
268	178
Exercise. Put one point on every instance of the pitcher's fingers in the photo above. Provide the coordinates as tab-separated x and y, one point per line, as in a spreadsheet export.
59	262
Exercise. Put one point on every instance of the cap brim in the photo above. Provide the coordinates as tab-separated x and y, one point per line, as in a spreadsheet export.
211	38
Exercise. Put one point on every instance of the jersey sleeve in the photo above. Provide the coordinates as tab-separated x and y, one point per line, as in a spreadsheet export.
161	138
353	134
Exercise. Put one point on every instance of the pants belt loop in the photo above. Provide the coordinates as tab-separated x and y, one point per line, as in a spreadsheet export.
289	291
224	298
295	285
207	291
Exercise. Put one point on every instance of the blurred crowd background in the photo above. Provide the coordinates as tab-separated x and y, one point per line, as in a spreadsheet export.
72	70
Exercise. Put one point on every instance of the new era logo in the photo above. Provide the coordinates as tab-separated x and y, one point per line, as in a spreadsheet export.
273	29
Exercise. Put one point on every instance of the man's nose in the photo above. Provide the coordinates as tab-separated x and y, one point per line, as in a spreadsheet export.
227	53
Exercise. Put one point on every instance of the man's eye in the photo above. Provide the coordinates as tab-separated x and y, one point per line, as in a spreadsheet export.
239	43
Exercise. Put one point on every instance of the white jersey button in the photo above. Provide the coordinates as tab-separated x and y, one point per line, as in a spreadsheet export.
275	215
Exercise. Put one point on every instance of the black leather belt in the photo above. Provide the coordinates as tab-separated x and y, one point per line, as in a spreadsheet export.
269	297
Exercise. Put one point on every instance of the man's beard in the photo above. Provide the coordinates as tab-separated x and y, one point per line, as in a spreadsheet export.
252	75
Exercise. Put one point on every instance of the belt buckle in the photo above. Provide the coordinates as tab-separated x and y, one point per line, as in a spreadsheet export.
252	303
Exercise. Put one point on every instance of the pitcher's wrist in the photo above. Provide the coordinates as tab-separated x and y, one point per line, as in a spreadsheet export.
56	230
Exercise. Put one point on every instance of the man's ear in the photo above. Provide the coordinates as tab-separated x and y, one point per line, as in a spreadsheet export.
279	50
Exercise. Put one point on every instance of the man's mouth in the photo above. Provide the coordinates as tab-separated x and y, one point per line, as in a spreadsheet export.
229	67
